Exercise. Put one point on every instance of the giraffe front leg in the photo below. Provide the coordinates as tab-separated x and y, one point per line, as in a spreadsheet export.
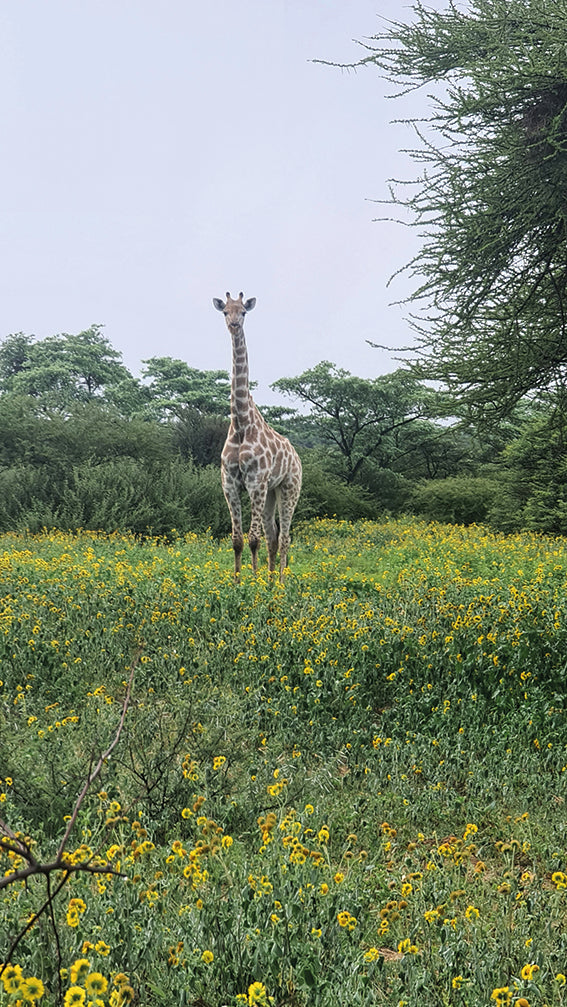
257	503
231	491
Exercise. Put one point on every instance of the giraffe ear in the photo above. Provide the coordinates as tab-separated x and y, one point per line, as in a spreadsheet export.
249	304
219	305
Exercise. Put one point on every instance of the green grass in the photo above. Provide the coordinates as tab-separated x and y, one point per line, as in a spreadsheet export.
349	789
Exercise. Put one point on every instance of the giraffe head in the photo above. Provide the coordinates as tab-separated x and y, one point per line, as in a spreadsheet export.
234	311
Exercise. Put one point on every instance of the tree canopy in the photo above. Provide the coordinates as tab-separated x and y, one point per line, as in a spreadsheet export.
354	414
174	386
491	276
61	370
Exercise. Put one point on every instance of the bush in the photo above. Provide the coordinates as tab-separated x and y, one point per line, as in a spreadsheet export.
457	499
323	494
121	493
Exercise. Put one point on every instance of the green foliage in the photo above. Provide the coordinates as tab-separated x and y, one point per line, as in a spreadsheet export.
200	436
120	493
61	370
324	494
91	431
85	453
456	499
532	484
356	416
491	274
174	387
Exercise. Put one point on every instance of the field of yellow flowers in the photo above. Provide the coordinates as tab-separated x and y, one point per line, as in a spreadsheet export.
349	789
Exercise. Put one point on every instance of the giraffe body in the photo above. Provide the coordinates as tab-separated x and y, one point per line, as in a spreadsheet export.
255	458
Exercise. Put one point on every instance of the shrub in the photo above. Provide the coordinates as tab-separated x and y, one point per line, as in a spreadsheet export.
457	499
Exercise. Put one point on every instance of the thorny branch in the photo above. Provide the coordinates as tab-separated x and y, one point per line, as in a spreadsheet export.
10	842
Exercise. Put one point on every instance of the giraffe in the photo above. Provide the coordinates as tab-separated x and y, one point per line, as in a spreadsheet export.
255	458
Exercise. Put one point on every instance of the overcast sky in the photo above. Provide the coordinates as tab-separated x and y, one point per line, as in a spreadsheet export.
157	154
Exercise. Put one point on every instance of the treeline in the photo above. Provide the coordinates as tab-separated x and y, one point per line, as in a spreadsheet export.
85	444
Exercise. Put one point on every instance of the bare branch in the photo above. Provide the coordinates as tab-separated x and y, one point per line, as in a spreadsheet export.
92	776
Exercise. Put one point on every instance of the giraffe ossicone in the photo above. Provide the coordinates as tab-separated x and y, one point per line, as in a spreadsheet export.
255	457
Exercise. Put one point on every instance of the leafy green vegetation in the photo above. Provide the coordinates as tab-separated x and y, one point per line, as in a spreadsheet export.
347	788
84	444
490	277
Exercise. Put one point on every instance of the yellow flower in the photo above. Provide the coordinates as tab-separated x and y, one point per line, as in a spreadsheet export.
96	984
339	878
309	809
78	904
324	889
521	1002
75	996
561	978
471	913
125	994
11	978
371	955
79	969
502	995
102	948
405	947
343	918
207	957
257	994
32	989
528	971
458	981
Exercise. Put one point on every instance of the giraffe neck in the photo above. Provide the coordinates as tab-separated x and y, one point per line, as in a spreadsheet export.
241	404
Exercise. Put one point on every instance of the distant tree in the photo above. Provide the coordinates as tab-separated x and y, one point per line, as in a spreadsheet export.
15	352
491	293
354	415
430	450
301	428
61	370
174	387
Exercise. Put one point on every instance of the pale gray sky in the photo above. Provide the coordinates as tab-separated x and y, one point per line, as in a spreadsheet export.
157	154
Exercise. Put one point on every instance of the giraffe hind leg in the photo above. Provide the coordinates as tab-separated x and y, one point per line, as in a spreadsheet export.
288	497
271	529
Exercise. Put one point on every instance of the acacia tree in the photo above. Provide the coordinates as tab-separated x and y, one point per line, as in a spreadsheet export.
491	276
355	415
